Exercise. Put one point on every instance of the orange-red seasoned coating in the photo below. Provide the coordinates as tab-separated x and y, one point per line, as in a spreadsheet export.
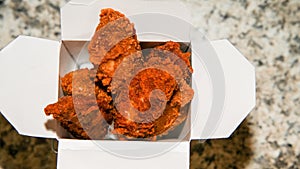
139	120
167	120
174	47
115	38
148	105
81	83
181	98
80	116
84	79
136	117
183	95
108	15
130	129
170	58
145	82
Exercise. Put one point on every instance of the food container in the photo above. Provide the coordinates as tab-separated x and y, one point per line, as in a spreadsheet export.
223	81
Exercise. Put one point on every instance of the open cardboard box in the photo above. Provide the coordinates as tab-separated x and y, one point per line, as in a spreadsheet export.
223	80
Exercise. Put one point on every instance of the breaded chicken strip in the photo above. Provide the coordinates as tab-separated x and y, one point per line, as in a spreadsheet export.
145	104
170	58
156	94
149	93
84	79
115	38
79	116
145	82
81	82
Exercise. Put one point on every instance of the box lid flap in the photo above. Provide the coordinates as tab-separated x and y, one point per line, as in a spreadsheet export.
81	2
149	18
29	82
78	154
239	100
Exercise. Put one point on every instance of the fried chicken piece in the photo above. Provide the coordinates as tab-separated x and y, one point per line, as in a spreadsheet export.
80	116
85	111
127	128
174	47
170	58
84	79
167	120
135	115
145	82
104	101
151	105
168	72
115	38
183	95
81	82
174	61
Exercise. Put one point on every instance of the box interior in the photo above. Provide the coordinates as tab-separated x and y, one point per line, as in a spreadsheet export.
74	55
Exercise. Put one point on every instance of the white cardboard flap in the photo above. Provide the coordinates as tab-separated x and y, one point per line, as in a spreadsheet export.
79	20
239	93
29	82
81	2
78	154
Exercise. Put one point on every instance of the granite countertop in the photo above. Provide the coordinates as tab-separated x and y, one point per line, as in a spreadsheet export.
266	32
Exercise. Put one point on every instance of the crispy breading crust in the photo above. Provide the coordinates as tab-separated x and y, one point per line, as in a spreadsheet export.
170	58
80	116
135	116
145	82
174	47
132	117
115	38
84	100
152	104
81	82
84	79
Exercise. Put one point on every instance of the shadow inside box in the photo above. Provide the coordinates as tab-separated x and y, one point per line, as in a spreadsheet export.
232	152
24	152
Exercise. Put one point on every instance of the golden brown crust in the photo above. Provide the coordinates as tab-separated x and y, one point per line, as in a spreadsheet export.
75	115
84	82
108	15
132	117
145	82
174	47
89	99
113	40
152	105
80	83
170	58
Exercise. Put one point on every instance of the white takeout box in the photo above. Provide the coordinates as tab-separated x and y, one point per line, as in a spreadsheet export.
30	69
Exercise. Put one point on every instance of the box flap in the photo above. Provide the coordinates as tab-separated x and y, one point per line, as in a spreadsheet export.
149	18
239	76
78	154
29	82
81	2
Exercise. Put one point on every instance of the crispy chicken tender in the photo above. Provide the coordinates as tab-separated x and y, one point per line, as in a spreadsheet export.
136	117
80	116
174	47
148	105
115	38
145	82
147	113
82	82
84	79
85	109
170	58
183	68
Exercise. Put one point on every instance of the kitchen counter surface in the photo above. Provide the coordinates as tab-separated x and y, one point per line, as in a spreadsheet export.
266	32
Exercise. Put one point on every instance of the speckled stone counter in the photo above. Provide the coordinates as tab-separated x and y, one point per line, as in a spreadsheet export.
266	32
